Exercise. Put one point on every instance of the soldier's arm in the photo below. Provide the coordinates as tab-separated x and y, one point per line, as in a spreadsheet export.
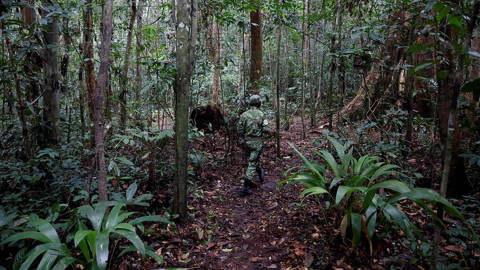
240	127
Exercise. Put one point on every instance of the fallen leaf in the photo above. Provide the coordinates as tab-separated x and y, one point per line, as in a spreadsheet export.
454	248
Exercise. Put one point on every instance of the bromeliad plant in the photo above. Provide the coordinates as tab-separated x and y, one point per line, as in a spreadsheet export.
92	238
353	187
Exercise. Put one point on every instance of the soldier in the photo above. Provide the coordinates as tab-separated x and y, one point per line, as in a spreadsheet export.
251	126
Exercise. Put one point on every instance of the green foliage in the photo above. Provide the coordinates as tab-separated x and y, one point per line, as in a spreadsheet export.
56	255
353	186
96	227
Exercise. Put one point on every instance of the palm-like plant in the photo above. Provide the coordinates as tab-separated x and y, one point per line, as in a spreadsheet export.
356	184
92	238
56	254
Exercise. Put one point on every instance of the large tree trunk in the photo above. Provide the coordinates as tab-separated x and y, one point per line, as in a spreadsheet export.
185	36
126	63
51	109
256	60
377	85
107	32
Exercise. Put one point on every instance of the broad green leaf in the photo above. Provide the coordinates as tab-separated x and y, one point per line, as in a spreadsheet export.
423	66
131	190
124	226
332	164
455	20
37	251
308	163
359	164
384	170
312	191
429	195
371	215
27	235
63	263
398	217
48	259
80	235
394	185
150	219
46	228
134	239
95	215
112	219
101	249
335	181
356	221
308	180
343	191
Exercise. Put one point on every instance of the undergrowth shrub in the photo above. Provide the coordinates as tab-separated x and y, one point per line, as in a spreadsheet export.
355	188
87	235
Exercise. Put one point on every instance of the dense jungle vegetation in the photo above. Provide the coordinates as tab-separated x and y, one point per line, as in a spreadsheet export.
119	147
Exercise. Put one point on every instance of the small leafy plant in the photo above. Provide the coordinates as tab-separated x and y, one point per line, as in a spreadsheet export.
105	221
355	187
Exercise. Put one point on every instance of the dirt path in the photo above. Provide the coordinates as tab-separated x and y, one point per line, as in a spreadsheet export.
270	229
260	231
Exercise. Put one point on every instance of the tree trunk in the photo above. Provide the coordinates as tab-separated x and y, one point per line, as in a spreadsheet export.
138	54
286	70
306	10
51	109
256	60
216	61
378	83
88	60
332	69
126	63
107	32
185	13
21	110
277	93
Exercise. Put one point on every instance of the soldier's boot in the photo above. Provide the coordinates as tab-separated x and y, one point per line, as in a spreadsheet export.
261	174
245	190
249	183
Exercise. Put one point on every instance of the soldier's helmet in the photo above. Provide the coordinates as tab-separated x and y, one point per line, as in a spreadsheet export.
255	100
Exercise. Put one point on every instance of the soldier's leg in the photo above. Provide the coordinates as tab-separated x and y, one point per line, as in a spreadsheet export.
259	169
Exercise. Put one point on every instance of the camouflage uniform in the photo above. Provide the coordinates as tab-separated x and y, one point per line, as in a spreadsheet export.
251	126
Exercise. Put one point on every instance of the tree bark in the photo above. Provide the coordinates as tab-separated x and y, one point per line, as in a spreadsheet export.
216	62
51	108
21	110
138	52
256	60
107	32
306	9
88	60
277	92
185	13
126	64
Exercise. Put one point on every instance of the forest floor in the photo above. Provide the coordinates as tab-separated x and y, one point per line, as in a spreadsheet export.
272	228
